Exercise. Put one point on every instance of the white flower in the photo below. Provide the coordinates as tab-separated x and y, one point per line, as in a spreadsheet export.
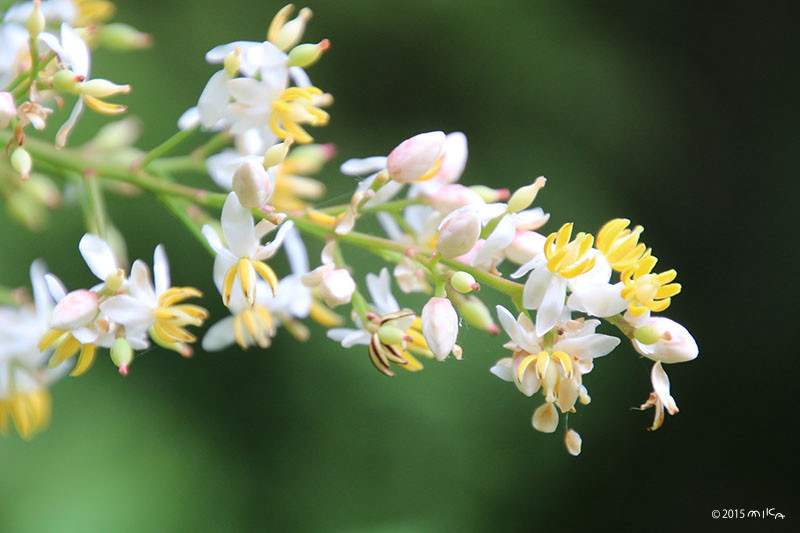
336	285
591	292
243	255
440	327
674	345
557	366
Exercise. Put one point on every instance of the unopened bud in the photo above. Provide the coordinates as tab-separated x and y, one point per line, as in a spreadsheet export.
414	158
440	326
290	33
674	343
458	234
390	334
464	282
573	442
277	153
74	310
450	197
100	88
35	22
122	355
305	55
233	61
525	246
121	37
252	184
21	162
337	287
7	109
65	81
476	313
524	196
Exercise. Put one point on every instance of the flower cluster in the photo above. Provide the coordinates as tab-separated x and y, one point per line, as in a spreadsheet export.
441	238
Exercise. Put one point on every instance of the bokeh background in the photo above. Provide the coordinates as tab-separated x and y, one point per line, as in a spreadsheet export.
680	116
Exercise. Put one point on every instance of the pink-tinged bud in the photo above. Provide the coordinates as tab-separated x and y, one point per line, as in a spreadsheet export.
337	287
675	345
252	184
525	246
440	326
7	109
76	309
450	197
476	313
454	158
415	158
458	234
21	162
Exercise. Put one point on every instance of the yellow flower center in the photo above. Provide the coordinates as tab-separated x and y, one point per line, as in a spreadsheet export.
172	316
298	105
567	257
254	326
620	245
645	290
67	346
246	270
29	411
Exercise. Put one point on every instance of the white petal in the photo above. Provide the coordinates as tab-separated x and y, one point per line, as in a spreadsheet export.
214	99
363	167
126	310
589	346
219	336
536	285
299	77
552	305
380	289
349	337
509	323
295	252
160	270
503	369
56	288
66	128
389	225
85	335
545	418
98	256
661	387
498	241
42	298
238	228
265	252
598	300
190	119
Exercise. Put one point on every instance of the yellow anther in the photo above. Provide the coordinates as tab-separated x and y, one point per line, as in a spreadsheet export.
646	291
620	245
278	21
323	316
85	360
525	363
68	347
566	363
321	218
412	364
266	272
103	107
30	412
433	170
295	106
567	257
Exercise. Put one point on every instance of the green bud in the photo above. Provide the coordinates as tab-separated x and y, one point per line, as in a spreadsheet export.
391	334
490	195
64	81
476	313
21	162
122	354
232	62
35	22
524	196
647	334
122	37
305	55
463	282
114	281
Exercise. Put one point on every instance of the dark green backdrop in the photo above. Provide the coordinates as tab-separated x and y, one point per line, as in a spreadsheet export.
678	116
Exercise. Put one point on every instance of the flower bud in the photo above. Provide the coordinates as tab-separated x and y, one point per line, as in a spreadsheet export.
305	55
416	158
476	313
276	153
450	197
7	109
545	418
440	326
524	196
65	81
454	157
35	23
21	162
122	355
100	88
337	287
390	334
674	343
458	234
464	282
121	37
573	442
74	310
252	184
290	33
115	280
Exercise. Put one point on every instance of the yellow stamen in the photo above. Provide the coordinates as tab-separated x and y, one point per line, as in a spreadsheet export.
295	106
645	290
566	257
69	346
85	360
266	272
433	170
247	277
102	107
323	316
321	218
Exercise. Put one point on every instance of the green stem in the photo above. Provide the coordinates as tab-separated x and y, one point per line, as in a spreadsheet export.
621	324
212	146
183	163
96	203
166	146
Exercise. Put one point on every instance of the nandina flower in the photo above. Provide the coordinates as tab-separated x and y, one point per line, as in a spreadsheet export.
335	285
661	339
660	398
243	255
440	327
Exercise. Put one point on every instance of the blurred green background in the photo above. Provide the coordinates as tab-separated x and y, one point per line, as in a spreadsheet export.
678	116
